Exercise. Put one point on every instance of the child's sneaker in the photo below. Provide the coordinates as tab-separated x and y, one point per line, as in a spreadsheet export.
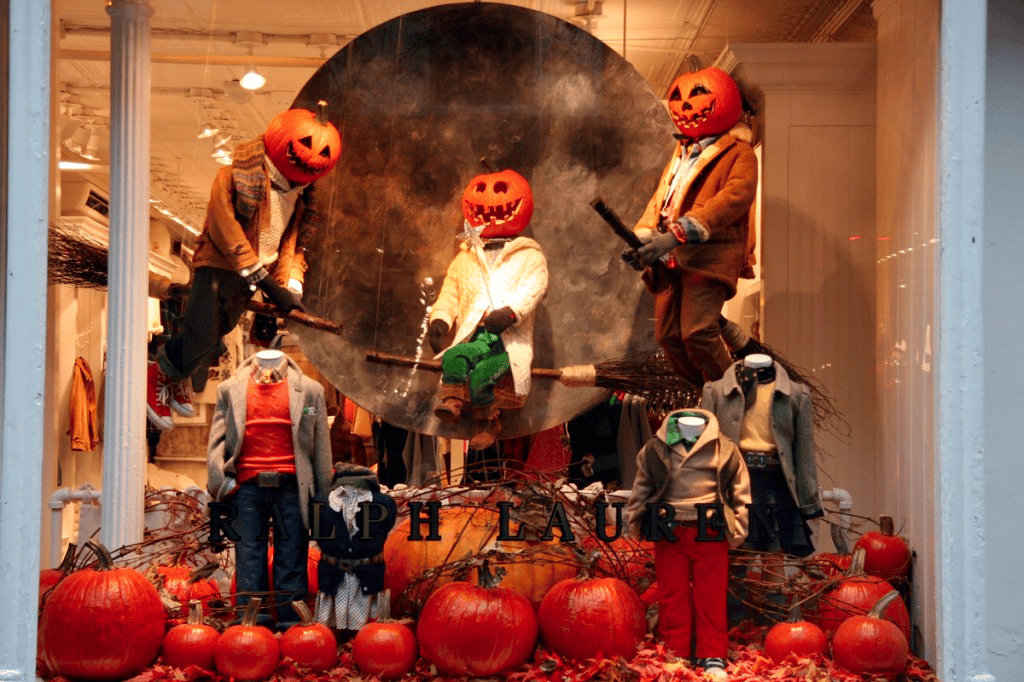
714	668
158	396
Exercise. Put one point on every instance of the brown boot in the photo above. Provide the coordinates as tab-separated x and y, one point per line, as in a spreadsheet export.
449	409
488	428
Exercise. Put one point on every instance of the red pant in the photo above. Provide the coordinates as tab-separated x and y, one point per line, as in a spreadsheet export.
681	605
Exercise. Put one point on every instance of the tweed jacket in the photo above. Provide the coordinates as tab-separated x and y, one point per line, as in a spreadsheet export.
718	194
518	278
238	213
310	433
792	426
657	461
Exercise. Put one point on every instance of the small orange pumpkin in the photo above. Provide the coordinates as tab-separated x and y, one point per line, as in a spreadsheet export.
705	102
502	202
302	145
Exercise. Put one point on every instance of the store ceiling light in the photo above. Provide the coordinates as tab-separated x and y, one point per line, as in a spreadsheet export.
208	129
252	79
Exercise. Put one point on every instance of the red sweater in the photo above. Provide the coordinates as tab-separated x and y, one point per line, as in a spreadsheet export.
267	444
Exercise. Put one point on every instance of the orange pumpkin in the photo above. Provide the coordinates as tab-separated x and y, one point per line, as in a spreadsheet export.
705	102
302	145
502	202
466	532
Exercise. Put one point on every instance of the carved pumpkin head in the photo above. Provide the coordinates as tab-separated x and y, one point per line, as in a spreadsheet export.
502	202
302	145
703	103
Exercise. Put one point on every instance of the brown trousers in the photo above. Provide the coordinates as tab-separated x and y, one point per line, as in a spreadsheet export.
686	310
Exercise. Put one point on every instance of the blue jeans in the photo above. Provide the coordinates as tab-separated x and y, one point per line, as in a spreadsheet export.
259	510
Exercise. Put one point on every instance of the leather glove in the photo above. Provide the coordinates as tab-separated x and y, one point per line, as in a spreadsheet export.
499	320
436	334
283	298
661	245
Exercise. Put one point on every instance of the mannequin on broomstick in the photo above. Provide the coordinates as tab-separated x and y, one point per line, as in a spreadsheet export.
695	230
482	322
261	215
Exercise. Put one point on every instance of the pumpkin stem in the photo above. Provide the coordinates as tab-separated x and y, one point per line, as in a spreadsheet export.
68	562
106	561
304	613
195	612
252	609
489	578
795	616
385	606
486	164
321	112
857	562
886	525
882	604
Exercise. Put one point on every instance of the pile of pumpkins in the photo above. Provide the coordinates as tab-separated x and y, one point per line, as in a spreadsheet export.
110	623
863	615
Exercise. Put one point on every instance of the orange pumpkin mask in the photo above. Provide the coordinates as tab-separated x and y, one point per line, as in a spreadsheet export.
302	145
502	202
703	103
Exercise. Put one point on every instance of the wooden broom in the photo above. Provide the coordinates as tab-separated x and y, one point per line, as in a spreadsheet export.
77	261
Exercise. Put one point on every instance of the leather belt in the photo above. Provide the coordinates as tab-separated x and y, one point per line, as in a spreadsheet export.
349	564
761	460
275	479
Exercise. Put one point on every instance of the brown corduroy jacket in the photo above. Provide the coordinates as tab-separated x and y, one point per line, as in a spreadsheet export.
718	194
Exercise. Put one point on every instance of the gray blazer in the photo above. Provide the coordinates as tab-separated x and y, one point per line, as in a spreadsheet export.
310	433
793	426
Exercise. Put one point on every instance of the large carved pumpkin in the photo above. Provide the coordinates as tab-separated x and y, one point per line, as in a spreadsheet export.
302	145
466	532
501	201
703	103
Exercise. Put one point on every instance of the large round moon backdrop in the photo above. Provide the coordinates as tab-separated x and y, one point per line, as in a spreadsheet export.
419	101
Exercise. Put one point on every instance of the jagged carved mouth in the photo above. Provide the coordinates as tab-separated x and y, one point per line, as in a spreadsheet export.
694	118
304	166
495	215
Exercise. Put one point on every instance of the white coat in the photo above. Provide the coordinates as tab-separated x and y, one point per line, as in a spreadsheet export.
518	278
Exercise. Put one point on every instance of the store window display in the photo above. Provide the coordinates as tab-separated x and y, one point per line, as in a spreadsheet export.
261	215
481	325
269	456
690	496
696	228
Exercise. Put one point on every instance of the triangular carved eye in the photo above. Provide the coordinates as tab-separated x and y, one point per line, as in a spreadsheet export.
481	187
306	141
675	96
325	153
501	187
699	90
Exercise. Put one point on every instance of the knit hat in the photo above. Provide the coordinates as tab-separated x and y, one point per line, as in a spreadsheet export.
347	473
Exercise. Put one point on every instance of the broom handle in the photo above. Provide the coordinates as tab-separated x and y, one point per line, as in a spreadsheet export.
298	316
435	365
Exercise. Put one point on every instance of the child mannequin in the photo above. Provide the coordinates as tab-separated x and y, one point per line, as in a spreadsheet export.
688	466
269	452
771	419
351	568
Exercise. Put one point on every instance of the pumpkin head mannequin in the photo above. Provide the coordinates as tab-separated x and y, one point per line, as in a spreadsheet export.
502	202
302	145
703	103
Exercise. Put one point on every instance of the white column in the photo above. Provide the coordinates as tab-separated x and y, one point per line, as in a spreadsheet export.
961	379
124	451
24	198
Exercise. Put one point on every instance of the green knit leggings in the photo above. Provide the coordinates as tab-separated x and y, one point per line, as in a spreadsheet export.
482	361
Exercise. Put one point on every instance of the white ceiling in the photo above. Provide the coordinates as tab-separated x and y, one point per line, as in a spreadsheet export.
194	46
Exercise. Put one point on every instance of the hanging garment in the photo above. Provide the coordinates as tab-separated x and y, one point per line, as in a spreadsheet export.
84	421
